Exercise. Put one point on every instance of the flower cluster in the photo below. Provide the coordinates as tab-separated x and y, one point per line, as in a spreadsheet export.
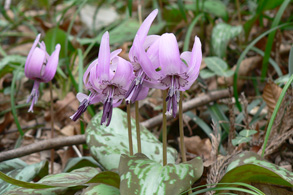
155	62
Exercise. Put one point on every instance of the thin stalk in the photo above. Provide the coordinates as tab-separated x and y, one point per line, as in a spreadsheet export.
164	139
129	130
137	127
181	131
52	127
139	12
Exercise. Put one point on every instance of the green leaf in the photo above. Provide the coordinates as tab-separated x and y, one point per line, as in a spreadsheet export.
240	139
55	36
12	59
63	182
247	132
140	174
101	189
213	7
221	35
26	174
79	162
206	73
10	165
48	191
106	144
254	169
218	66
74	178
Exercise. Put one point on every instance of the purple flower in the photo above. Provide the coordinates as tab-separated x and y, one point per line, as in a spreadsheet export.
139	87
177	72
40	67
108	79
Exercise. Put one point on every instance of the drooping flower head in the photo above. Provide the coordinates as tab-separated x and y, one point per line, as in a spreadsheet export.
177	72
108	79
138	89
40	67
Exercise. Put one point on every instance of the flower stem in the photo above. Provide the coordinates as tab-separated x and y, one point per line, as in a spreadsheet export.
129	130
181	131
164	128
137	127
52	127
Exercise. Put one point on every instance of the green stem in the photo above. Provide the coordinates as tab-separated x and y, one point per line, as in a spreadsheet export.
181	131
52	126
12	100
129	130
137	127
164	139
269	129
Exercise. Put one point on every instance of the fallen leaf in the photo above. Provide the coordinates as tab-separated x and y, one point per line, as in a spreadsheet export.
271	94
198	146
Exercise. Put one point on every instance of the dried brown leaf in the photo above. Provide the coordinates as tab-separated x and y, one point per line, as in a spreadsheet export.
271	94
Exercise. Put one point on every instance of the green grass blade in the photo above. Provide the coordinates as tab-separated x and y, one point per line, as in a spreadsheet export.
271	37
189	31
243	54
130	7
275	114
12	100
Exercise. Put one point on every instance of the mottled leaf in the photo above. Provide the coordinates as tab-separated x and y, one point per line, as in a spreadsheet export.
68	182
140	175
79	162
74	178
100	189
254	169
108	143
26	174
221	35
218	66
247	132
10	165
240	139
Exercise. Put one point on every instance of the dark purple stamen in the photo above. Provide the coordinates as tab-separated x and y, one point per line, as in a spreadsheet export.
135	87
107	109
81	109
173	97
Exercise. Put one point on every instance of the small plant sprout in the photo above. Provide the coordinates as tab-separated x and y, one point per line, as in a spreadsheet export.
40	67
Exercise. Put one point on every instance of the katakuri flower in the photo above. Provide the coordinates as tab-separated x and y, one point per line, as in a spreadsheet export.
108	79
40	67
139	87
95	95
177	72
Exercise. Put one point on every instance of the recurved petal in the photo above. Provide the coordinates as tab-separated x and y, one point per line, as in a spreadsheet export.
143	93
196	57
145	26
104	58
52	64
35	64
169	55
115	53
87	73
81	97
124	72
153	54
149	40
31	51
186	56
146	63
